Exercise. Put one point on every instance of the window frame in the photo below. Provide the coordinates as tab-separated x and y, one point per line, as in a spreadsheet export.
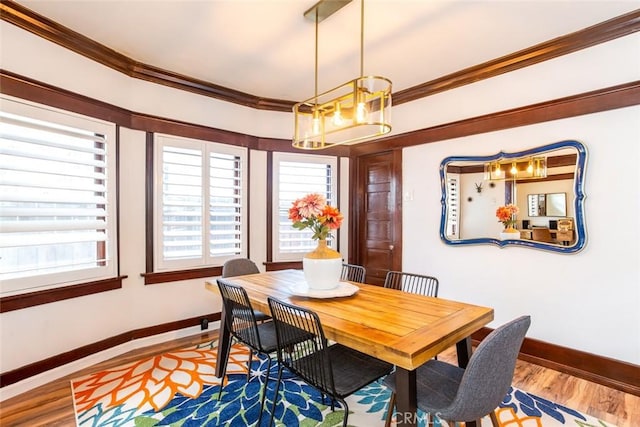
279	157
161	265
47	281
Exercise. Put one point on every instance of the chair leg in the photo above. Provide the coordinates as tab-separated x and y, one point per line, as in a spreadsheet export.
275	396
249	365
391	410
346	412
264	390
494	419
224	375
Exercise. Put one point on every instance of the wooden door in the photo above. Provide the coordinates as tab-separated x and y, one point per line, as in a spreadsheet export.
378	206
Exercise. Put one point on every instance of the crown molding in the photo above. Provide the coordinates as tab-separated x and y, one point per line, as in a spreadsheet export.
28	20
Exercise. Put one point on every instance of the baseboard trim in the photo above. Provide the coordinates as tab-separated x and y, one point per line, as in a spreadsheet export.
602	370
52	363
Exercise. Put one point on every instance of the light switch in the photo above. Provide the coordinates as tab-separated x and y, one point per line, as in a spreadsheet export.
408	195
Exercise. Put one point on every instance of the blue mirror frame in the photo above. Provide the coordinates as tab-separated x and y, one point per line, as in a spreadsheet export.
578	201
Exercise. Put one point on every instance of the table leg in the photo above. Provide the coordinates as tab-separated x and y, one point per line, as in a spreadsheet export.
406	398
463	349
224	345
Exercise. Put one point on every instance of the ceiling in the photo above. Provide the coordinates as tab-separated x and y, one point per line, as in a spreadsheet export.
266	47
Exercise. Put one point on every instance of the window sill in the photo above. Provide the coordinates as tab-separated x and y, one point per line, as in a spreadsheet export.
283	265
174	276
31	299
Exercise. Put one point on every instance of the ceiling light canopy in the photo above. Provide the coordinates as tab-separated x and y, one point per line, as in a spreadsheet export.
353	112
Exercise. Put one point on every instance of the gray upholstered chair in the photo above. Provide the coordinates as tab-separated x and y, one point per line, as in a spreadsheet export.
242	267
412	283
455	394
336	370
239	267
353	273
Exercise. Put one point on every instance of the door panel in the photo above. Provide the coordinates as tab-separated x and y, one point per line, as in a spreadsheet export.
378	231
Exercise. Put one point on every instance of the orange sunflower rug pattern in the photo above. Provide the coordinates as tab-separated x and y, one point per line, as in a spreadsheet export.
180	389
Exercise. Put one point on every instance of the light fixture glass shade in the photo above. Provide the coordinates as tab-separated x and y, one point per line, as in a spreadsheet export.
353	112
493	171
535	167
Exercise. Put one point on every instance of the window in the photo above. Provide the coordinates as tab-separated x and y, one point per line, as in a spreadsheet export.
57	198
200	215
453	206
295	175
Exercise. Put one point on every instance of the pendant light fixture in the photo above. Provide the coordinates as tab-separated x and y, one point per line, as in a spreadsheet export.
353	112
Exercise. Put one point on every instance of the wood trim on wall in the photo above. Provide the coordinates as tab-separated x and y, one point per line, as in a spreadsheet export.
602	370
31	299
596	101
611	98
283	265
613	373
28	20
605	31
27	371
153	278
50	30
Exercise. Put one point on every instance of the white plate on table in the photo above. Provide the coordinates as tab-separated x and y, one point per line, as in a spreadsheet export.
344	289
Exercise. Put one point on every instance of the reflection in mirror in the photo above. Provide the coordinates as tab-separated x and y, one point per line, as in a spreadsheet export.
554	204
545	183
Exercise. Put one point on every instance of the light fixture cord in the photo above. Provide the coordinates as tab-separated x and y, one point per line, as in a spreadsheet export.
315	101
362	38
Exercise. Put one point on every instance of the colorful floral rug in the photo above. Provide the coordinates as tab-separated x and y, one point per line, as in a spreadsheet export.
180	389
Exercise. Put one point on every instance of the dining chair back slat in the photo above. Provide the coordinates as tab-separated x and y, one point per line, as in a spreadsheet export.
335	370
353	273
412	283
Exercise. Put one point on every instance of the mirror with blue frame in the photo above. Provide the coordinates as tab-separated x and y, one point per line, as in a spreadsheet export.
544	185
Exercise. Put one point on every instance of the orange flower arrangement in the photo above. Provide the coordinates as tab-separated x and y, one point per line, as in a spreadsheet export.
507	215
313	212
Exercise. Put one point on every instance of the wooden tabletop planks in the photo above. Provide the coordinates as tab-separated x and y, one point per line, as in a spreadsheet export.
402	328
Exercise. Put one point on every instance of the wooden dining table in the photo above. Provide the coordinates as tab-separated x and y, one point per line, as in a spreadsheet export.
401	328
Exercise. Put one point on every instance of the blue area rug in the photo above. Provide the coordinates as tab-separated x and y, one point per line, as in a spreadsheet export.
180	389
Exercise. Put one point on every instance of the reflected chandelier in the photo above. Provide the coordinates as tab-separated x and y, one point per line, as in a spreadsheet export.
353	112
534	167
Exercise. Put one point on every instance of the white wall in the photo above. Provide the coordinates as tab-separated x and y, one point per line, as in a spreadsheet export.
586	301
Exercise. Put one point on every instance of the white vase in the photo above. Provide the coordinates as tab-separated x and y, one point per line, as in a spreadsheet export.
322	267
510	235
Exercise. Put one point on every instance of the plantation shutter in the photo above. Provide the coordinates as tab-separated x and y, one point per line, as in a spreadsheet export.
182	203
53	198
225	204
201	194
297	179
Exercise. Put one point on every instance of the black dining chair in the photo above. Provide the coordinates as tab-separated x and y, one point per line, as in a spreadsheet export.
335	370
455	394
242	267
244	328
412	283
353	273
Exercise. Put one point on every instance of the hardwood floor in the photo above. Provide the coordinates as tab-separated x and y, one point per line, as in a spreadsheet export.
51	405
